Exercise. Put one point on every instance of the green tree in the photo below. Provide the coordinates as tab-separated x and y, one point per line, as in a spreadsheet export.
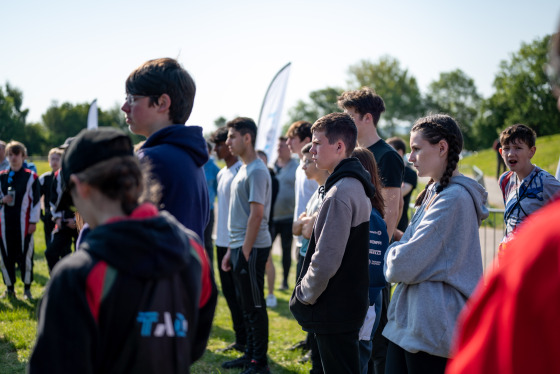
522	95
220	122
12	116
397	87
455	93
321	102
64	121
35	139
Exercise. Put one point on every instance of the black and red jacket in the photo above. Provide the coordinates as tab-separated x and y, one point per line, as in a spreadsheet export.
139	297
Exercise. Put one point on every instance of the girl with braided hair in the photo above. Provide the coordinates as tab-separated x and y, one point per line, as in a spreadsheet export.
437	263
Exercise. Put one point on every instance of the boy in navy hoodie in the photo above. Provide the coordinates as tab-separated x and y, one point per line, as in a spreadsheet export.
159	101
331	295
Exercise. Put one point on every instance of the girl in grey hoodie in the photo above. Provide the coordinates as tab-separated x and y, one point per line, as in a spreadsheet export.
437	263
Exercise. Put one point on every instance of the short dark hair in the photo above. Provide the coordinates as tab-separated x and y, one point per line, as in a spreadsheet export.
164	76
363	101
244	125
306	148
282	139
397	143
301	129
338	126
518	132
220	135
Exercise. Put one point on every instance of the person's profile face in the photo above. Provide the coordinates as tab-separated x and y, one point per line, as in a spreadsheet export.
323	154
426	157
235	142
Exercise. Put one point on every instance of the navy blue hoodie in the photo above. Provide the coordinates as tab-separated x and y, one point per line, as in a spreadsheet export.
177	154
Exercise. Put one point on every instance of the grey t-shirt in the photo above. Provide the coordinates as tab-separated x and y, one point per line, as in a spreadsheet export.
286	198
251	184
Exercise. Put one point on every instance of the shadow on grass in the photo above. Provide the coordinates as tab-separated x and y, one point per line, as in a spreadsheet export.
211	362
9	362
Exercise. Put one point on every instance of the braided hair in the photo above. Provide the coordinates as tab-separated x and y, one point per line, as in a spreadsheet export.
434	128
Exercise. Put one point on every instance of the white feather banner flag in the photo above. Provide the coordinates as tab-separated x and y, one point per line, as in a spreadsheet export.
269	127
92	116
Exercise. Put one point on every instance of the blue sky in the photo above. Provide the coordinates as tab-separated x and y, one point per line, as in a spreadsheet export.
68	51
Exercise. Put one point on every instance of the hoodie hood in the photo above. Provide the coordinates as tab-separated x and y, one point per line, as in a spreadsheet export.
477	192
152	247
351	168
188	138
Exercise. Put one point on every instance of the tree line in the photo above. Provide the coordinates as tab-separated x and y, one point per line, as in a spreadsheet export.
521	95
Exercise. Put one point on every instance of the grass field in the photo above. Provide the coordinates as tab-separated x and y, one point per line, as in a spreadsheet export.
18	317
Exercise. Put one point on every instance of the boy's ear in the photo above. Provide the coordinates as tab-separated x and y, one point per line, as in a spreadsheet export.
532	151
500	150
164	102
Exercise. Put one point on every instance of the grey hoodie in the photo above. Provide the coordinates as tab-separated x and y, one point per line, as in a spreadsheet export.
437	264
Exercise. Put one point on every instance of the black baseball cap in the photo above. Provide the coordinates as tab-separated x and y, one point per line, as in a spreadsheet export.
88	148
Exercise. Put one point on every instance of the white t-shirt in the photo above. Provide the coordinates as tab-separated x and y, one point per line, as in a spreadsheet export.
225	176
304	189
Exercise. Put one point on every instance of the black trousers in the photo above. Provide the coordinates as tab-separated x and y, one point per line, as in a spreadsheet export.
208	244
248	276
61	245
379	342
339	352
48	226
232	299
13	254
401	361
284	228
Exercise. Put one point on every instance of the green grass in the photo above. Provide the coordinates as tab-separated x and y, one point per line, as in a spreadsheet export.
546	157
18	324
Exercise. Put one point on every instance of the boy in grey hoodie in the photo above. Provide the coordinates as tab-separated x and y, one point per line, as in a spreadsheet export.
331	295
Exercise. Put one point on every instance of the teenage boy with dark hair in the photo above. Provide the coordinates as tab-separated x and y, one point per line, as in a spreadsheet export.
19	213
224	178
250	242
525	187
365	107
159	100
331	295
45	181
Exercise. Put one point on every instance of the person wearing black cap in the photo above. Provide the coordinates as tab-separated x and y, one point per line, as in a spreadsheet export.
138	297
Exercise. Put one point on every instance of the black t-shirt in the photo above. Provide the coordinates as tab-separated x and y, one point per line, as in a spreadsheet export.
389	162
411	178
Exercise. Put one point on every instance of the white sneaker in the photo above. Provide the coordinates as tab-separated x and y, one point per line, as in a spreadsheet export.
271	301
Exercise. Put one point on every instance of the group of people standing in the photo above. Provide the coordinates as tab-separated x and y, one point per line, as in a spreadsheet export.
139	295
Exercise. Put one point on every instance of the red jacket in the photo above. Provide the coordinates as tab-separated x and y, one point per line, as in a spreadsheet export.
512	324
